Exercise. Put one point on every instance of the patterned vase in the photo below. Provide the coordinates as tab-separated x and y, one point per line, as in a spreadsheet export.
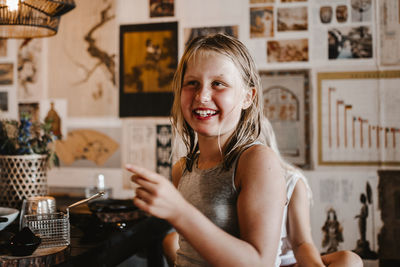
22	177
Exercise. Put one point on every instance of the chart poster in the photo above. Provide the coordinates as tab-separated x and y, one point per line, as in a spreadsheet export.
359	121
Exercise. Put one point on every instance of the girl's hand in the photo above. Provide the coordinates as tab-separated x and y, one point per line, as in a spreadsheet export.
156	195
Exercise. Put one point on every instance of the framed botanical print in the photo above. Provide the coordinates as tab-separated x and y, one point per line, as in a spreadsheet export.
286	96
148	60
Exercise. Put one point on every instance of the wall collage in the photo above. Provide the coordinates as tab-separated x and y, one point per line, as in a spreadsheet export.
330	71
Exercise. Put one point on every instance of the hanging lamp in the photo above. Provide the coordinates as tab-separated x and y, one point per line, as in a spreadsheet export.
31	18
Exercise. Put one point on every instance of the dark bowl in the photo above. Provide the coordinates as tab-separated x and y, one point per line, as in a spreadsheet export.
24	243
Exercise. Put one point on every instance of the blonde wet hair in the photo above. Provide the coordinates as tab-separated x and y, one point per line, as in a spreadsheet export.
248	128
268	137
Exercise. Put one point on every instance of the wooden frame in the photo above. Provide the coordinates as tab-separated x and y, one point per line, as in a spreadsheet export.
290	119
148	60
357	118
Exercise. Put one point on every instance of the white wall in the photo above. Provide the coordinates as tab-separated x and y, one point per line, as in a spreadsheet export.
347	183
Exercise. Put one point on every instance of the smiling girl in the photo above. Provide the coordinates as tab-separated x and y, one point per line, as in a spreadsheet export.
229	196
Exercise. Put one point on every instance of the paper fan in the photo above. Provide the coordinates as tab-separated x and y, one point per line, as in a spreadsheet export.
86	144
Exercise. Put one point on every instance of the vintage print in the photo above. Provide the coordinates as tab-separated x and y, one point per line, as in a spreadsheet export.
3	47
30	84
350	43
287	51
191	33
261	22
292	19
150	144
3	102
389	12
92	147
261	1
358	118
6	73
149	55
361	10
287	106
325	14
161	8
341	13
164	149
84	53
290	1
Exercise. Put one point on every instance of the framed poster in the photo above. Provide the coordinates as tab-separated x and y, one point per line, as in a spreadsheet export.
358	120
286	96
148	60
191	33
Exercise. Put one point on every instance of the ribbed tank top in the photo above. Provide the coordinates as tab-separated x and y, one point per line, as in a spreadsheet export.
211	191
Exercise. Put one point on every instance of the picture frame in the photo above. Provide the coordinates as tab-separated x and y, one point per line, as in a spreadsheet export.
148	60
286	96
357	118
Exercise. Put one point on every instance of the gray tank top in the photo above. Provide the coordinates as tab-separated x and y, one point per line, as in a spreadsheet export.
213	192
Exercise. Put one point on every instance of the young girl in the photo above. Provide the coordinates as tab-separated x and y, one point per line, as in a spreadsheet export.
229	203
297	248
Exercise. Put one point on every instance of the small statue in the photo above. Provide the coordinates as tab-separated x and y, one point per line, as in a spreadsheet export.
333	232
55	121
363	249
362	218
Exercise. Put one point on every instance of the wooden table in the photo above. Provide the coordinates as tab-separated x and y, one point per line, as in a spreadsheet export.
100	244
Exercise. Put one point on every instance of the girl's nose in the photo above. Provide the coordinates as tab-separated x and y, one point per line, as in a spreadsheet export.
203	95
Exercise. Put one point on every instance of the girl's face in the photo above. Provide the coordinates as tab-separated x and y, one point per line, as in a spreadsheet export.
213	95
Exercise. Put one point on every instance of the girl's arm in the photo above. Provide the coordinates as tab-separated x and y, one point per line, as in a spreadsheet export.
299	229
260	209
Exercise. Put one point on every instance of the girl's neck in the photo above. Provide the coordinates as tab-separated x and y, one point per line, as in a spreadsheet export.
210	152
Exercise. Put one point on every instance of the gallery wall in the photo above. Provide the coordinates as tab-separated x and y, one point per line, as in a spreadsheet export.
340	129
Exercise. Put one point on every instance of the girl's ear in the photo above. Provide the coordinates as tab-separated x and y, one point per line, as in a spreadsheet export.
248	98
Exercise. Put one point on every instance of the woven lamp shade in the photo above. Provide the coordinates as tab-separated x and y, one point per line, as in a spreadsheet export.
33	18
51	8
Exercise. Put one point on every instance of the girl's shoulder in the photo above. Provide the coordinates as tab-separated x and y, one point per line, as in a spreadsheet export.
256	162
259	152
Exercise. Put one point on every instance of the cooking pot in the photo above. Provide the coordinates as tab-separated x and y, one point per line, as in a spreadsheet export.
115	210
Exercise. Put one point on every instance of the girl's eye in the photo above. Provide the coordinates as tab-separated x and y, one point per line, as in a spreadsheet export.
218	84
190	83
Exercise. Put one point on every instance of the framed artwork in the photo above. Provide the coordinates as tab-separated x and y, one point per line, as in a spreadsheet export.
3	47
261	22
161	8
389	32
292	19
3	102
350	43
191	33
150	145
148	60
84	53
358	121
6	73
286	97
279	51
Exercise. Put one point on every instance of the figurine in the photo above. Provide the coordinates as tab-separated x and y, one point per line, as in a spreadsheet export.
333	232
363	249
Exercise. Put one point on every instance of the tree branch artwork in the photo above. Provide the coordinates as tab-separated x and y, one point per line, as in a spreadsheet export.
94	51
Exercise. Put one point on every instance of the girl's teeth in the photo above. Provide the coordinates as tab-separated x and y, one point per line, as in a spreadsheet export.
204	113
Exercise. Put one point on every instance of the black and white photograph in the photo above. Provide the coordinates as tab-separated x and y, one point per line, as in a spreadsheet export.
350	43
